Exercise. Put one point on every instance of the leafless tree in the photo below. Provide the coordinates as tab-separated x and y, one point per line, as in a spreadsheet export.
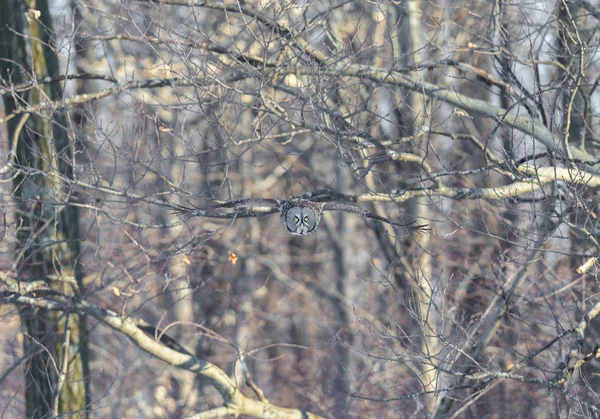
477	118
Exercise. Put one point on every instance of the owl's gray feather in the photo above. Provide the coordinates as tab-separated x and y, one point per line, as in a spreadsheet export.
239	203
249	203
299	216
338	206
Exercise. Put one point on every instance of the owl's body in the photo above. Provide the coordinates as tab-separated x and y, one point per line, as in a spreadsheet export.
299	216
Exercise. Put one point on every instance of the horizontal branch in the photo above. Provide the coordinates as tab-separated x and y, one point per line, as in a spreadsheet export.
67	102
245	58
35	83
540	177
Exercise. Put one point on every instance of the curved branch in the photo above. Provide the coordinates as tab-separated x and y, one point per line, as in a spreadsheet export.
571	362
334	66
528	126
235	402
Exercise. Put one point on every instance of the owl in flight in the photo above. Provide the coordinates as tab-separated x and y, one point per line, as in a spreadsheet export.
299	216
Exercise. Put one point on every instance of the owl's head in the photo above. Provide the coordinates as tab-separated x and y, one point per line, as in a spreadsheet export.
301	216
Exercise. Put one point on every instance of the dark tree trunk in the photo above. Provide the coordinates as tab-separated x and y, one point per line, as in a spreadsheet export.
48	230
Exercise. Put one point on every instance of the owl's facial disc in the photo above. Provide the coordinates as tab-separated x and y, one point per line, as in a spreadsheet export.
300	220
308	221
295	226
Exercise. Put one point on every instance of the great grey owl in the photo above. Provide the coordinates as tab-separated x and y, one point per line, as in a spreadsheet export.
299	216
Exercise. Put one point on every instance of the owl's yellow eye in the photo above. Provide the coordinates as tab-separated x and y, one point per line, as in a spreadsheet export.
306	218
296	219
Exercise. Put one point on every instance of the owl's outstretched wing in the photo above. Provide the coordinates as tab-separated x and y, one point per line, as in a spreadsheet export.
239	203
249	203
338	206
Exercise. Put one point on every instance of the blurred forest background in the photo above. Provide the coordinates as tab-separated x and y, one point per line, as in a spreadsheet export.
477	117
